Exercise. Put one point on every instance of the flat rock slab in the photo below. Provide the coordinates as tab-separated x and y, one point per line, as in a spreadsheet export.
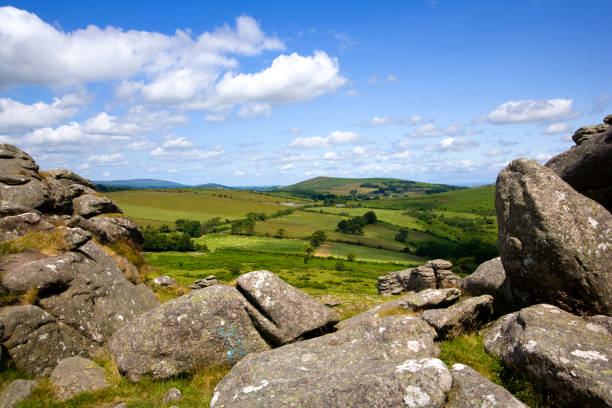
472	390
75	375
467	315
412	302
205	327
383	363
555	243
290	313
16	392
571	357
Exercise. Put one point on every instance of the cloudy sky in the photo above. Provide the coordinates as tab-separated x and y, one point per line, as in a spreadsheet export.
269	93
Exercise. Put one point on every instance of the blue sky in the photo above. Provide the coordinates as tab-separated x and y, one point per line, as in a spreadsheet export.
269	93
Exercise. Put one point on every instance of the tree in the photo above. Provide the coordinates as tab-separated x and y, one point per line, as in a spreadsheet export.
370	217
402	235
193	228
280	233
350	257
308	251
164	228
317	238
179	224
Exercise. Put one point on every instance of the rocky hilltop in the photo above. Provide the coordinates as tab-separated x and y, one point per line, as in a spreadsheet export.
286	349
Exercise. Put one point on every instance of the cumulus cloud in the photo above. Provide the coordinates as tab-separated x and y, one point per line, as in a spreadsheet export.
106	158
556	128
137	120
426	130
530	110
334	139
386	120
295	130
451	144
16	116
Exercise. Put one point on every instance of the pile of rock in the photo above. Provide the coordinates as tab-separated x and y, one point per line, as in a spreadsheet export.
204	283
434	274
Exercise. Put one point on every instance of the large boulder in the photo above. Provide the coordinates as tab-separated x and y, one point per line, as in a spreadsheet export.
16	392
410	303
555	243
472	390
74	375
206	327
587	167
490	279
109	229
571	357
20	182
289	312
407	280
386	363
467	315
65	187
15	226
36	341
90	205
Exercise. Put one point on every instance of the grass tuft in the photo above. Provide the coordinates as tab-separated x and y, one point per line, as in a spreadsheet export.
50	243
124	250
398	311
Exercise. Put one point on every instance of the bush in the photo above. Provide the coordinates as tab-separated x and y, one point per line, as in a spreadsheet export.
157	242
350	257
340	266
317	238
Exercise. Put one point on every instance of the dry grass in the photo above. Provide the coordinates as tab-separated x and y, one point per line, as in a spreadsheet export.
30	296
398	311
50	243
128	258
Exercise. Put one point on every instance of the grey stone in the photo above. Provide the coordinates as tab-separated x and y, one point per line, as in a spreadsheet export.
445	278
603	321
412	302
587	167
15	226
111	229
204	283
16	392
288	313
555	244
407	280
587	132
173	394
76	237
167	281
68	178
89	205
490	279
205	327
472	390
7	209
571	357
36	341
468	315
386	363
439	264
20	182
75	375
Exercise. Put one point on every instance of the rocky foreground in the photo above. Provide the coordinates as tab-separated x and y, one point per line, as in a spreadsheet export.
286	348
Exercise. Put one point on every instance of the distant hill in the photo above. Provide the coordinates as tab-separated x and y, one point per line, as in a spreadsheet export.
378	187
140	183
213	186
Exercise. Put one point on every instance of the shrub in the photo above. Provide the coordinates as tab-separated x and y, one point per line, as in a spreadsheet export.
340	266
350	257
317	238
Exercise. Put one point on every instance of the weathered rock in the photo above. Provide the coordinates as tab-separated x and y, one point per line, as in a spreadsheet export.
76	237
587	167
75	375
389	285
467	315
36	341
445	278
490	279
439	264
89	205
16	392
67	178
472	390
111	229
85	290
407	280
7	209
383	363
330	301
288	312
204	283
208	326
19	180
603	321
167	281
586	132
15	226
173	394
555	244
413	302
572	359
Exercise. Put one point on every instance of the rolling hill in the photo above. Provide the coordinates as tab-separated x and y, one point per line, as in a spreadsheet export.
140	183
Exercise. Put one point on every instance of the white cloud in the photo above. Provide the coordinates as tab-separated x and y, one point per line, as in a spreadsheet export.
531	111
35	52
106	158
255	109
391	79
173	171
295	130
15	116
373	79
239	173
335	138
288	166
178	143
140	145
137	120
556	128
379	121
543	157
330	156
193	154
358	150
450	144
496	152
426	130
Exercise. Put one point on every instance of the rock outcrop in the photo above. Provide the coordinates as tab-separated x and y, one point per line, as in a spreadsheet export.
204	283
468	315
289	313
16	392
383	362
586	167
490	279
472	390
206	327
434	274
75	375
571	357
555	244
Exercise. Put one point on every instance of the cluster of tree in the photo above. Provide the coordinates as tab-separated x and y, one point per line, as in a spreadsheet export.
243	227
466	256
175	241
109	189
317	238
402	235
355	225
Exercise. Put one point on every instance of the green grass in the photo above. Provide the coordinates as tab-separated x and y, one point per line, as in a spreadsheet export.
299	224
364	253
468	349
255	243
389	216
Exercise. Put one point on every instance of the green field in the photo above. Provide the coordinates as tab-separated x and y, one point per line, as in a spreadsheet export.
389	216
